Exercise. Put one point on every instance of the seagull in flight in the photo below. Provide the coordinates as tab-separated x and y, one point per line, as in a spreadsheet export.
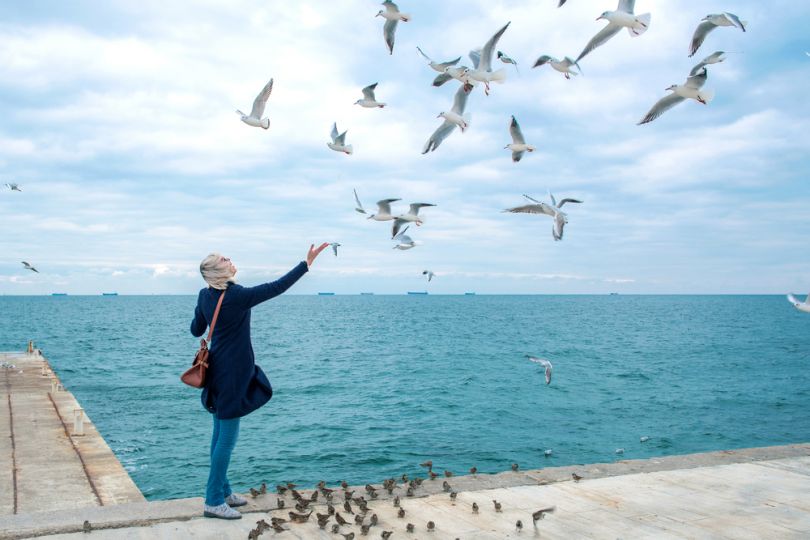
29	267
506	60
553	210
404	242
13	187
440	67
430	275
543	362
680	92
623	17
392	16
255	117
369	101
801	306
412	216
338	143
359	207
482	62
383	210
714	58
518	145
709	23
334	245
564	66
451	119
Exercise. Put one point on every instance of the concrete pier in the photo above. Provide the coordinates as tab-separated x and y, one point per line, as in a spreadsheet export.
55	483
51	456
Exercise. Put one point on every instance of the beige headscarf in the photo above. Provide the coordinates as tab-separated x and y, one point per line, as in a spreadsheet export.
216	271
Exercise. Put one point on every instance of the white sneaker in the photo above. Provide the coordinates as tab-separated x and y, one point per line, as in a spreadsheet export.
234	499
223	511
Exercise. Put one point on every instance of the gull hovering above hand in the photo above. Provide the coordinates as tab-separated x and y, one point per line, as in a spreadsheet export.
369	101
412	216
553	210
255	117
709	23
392	16
430	275
714	58
563	66
801	306
13	187
482	62
338	143
452	119
29	267
518	145
543	362
623	17
691	89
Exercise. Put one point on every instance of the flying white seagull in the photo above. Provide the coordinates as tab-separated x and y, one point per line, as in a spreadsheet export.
383	210
430	275
680	92
714	58
255	117
451	119
518	145
13	187
369	101
359	208
553	210
29	267
543	362
392	16
440	67
710	22
801	306
623	17
564	66
412	216
482	62
506	60
404	242
338	143
334	245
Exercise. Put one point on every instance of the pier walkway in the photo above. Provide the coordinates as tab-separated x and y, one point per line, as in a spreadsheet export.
56	484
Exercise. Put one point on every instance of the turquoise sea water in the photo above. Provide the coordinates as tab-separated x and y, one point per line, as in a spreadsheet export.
369	386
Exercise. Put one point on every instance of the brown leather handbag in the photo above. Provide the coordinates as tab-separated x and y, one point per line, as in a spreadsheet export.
195	375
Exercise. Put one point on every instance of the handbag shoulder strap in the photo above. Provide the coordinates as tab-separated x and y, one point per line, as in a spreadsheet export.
216	314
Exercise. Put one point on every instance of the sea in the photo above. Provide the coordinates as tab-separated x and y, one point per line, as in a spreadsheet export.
367	387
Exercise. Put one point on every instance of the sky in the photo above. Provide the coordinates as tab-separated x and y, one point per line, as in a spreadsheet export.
119	126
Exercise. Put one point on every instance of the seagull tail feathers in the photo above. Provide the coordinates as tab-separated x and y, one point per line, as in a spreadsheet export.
266	123
706	96
498	76
641	25
349	149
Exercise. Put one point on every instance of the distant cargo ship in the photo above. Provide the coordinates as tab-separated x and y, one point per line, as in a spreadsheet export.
420	293
614	294
58	294
469	294
109	294
326	294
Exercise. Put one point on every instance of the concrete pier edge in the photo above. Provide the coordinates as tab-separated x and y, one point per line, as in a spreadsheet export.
143	514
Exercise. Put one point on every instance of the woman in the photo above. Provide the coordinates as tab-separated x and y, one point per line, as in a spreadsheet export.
235	386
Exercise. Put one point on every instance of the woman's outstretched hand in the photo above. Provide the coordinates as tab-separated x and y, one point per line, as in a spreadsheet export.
314	252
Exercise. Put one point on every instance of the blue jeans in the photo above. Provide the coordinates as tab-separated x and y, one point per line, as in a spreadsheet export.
223	441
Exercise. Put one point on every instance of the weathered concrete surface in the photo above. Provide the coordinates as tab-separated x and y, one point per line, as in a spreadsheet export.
50	463
751	493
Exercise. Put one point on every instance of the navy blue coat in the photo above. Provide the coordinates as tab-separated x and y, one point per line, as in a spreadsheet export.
235	386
